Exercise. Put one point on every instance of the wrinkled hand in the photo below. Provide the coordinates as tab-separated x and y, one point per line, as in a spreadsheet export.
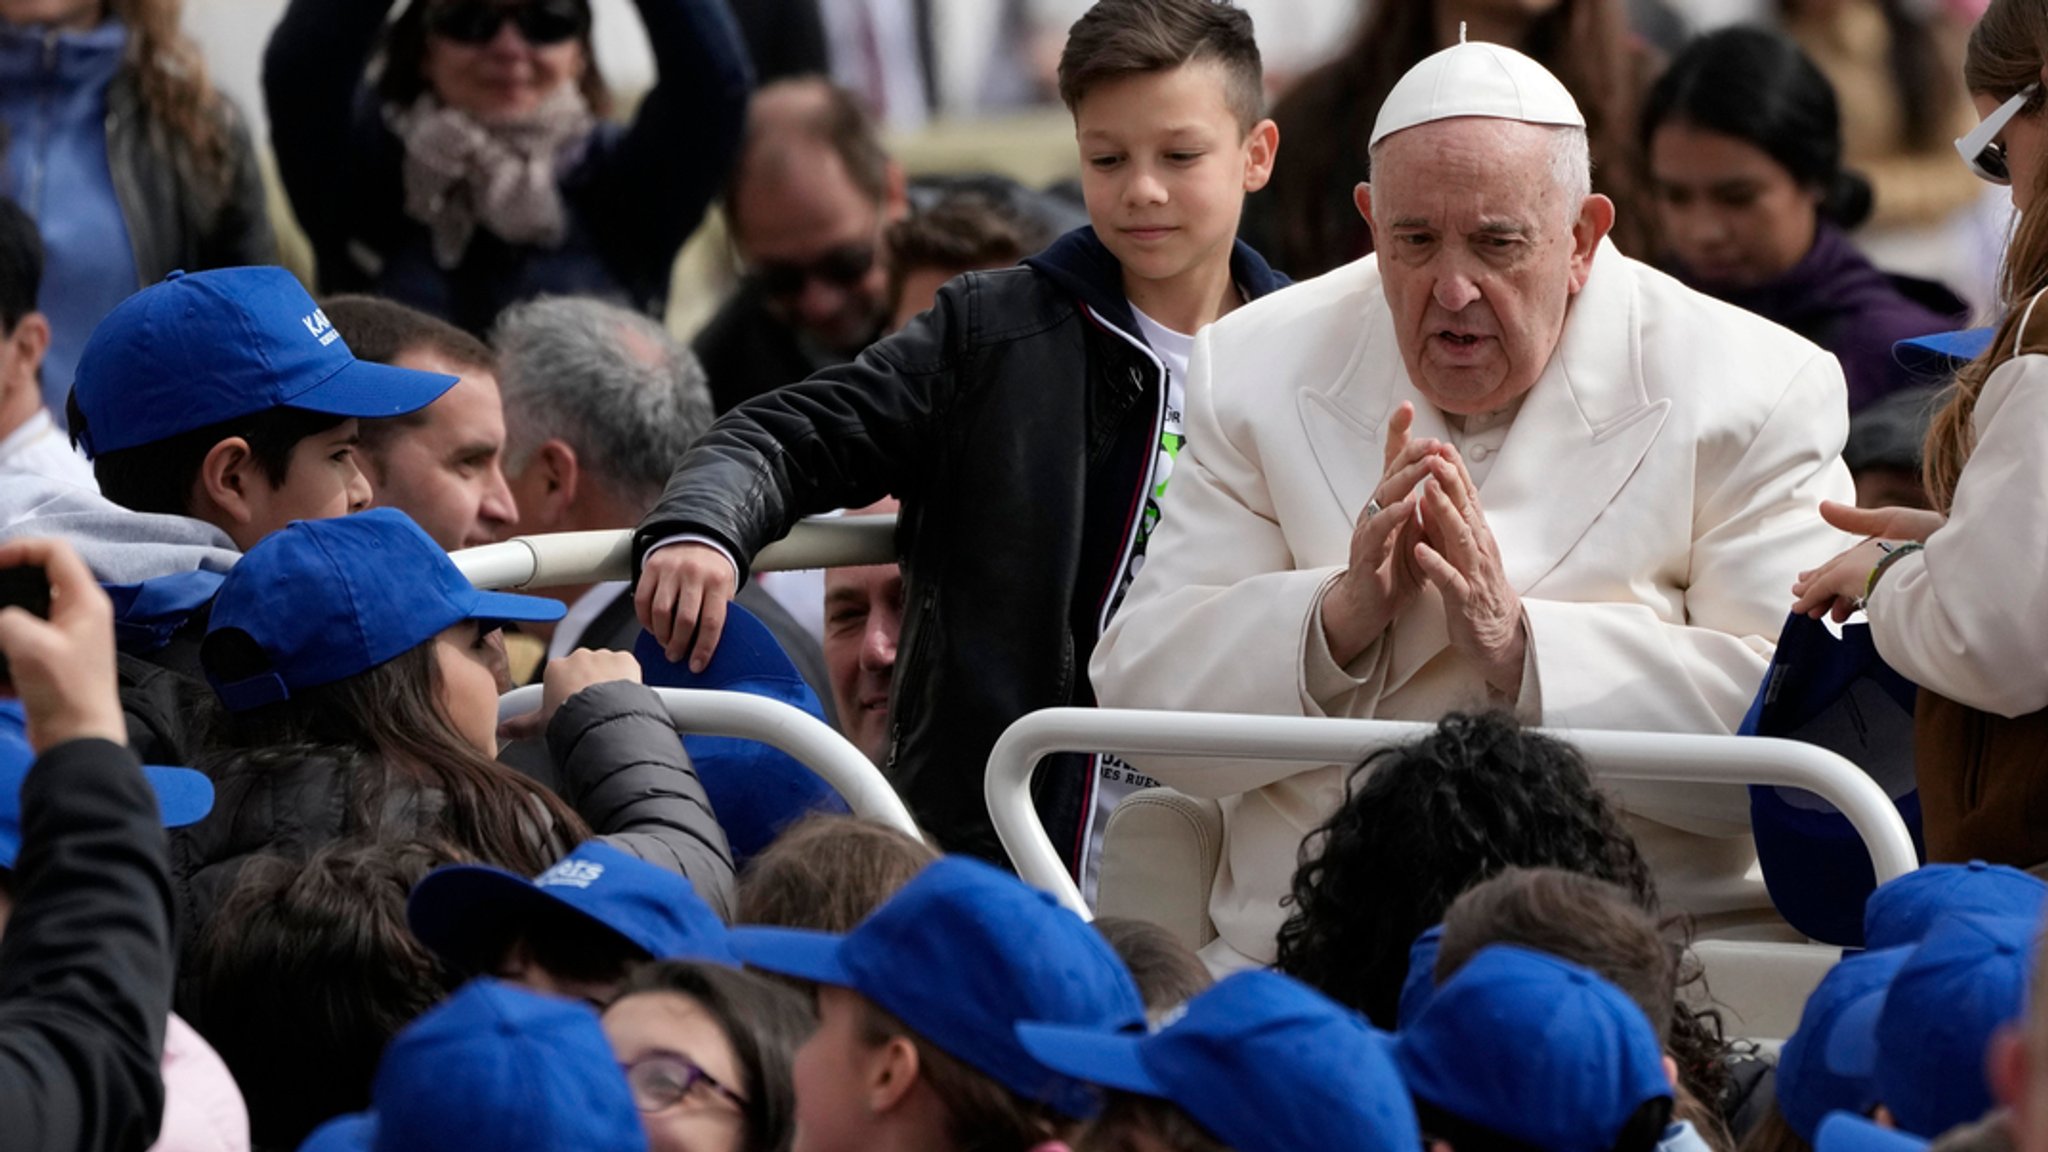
63	667
1381	577
1915	524
683	591
1459	558
1836	588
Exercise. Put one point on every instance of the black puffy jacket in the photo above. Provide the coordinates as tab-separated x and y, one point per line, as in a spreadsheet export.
1016	421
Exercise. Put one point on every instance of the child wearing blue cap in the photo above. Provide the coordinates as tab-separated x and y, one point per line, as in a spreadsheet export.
1211	1077
1807	1088
353	660
916	1045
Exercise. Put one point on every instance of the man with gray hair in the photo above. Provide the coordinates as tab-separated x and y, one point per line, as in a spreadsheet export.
1594	488
600	402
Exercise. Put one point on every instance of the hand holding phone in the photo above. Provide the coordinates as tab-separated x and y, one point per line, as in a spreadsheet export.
62	667
26	588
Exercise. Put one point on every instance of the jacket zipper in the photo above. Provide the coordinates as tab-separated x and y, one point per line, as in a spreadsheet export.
1116	575
38	161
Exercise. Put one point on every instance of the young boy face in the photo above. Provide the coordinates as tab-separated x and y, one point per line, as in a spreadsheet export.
830	1077
1165	168
320	482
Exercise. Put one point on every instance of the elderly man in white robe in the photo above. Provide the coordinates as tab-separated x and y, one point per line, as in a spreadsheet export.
1495	464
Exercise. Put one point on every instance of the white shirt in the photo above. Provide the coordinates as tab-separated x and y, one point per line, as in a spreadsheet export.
38	448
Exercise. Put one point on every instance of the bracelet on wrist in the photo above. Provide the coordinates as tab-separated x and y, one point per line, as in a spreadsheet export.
1893	553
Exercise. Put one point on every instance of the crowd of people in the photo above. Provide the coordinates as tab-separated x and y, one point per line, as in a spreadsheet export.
1591	378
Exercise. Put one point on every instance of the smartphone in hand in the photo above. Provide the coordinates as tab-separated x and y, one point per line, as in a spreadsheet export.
27	588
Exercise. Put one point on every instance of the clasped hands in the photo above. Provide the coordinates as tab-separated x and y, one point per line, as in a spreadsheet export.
1424	527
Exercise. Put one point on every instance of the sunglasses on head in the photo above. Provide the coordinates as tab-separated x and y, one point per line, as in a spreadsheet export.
478	21
1982	150
842	268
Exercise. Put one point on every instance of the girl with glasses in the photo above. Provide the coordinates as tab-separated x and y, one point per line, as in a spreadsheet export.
471	163
1956	596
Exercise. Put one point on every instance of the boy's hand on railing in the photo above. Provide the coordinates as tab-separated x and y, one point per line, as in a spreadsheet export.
684	588
63	668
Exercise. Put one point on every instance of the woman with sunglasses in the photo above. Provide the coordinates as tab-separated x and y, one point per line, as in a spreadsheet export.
1958	597
475	167
1744	142
707	1052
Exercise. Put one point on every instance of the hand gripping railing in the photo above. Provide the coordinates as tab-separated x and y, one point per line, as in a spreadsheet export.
790	729
1665	757
561	558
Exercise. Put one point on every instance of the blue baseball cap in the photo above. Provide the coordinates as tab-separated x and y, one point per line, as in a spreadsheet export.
328	599
496	1067
1922	1039
203	347
1847	1132
182	795
1535	1049
1904	910
1807	1088
1254	1038
961	954
1420	984
462	910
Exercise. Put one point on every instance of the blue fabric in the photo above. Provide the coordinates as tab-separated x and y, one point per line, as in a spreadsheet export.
1808	1089
1904	911
755	790
1254	1038
149	613
1420	986
1837	694
53	102
183	796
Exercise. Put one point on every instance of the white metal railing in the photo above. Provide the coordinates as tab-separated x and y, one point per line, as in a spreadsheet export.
560	558
1646	756
794	731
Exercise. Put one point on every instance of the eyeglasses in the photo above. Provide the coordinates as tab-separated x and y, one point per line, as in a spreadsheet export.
843	268
540	22
1982	150
662	1079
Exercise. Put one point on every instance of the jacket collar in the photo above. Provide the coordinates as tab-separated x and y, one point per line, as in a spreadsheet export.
1083	266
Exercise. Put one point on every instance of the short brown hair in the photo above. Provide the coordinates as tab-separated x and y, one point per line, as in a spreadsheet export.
1167	972
380	331
826	873
964	231
1119	38
814	109
1163	1120
981	1114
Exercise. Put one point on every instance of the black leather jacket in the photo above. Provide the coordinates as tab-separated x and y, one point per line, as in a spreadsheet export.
1016	421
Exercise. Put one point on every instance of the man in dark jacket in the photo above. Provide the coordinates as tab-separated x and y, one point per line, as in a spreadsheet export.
85	967
1028	422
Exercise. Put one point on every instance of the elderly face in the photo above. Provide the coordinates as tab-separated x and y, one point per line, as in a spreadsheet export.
1480	254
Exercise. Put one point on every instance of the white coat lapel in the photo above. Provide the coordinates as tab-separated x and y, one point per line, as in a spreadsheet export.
1584	428
1345	418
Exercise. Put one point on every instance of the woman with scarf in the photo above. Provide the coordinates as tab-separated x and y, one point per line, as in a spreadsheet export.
475	166
131	163
1744	142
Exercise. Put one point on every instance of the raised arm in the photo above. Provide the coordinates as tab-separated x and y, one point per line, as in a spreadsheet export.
312	76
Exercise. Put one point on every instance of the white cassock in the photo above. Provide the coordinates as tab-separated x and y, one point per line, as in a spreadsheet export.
1654	499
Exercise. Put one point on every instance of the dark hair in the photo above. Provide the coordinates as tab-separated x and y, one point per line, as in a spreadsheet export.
1419	825
815	109
1758	87
1167	971
389	718
964	231
21	264
1773	1133
401	78
381	331
1163	1120
160	476
763	1021
982	1114
1639	1133
1119	38
827	873
306	972
170	76
1326	120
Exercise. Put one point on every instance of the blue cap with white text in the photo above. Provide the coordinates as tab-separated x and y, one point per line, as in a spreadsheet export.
961	955
461	910
1580	1058
1252	1039
203	347
324	600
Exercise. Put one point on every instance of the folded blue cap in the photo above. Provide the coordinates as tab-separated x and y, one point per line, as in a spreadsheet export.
330	599
1923	1037
1943	351
494	1067
462	910
1906	909
1420	984
1535	1049
182	795
205	347
1253	1039
961	955
1847	1132
1807	1088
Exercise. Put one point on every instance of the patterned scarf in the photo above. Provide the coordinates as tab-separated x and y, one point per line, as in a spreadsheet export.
462	174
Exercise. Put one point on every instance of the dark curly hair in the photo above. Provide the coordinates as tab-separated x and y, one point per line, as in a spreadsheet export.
1421	824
